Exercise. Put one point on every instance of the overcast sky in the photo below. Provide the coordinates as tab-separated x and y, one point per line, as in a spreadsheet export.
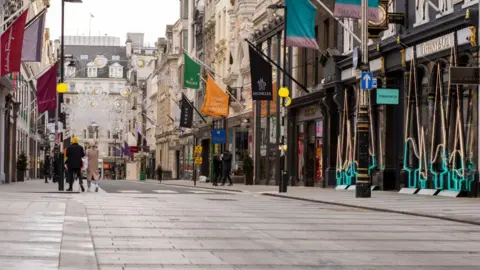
114	18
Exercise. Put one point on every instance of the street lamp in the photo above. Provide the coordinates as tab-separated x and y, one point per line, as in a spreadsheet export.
282	184
58	156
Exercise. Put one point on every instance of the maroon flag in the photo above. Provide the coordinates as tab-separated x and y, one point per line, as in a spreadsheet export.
47	90
11	46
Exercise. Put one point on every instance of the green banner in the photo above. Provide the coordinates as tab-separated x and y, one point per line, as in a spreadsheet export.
191	73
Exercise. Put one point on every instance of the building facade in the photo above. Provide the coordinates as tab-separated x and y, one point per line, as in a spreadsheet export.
21	127
95	103
429	140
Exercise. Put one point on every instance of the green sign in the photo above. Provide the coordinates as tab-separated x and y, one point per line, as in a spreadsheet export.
387	96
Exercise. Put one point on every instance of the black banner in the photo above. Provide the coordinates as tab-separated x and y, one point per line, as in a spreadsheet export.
186	115
261	73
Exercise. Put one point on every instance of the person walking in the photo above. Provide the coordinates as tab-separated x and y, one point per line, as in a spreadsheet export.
159	173
226	167
92	169
217	169
46	168
75	153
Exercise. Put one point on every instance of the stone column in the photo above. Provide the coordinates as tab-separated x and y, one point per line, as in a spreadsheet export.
2	133
6	142
13	141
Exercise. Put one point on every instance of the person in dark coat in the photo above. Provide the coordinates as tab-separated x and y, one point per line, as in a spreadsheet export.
227	167
217	169
46	167
75	153
159	173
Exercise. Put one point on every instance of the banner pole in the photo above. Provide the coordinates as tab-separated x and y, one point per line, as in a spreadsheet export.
277	66
338	20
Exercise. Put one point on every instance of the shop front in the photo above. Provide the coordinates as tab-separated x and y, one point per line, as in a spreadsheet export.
186	157
427	137
308	146
238	134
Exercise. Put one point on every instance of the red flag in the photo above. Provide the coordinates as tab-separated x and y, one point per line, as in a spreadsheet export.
47	90
11	46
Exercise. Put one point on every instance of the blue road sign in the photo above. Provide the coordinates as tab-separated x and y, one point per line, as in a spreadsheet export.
374	83
367	79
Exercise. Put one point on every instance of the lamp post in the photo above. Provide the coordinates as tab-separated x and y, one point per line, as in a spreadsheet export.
58	156
279	172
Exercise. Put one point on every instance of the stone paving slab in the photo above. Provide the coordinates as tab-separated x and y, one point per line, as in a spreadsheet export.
454	209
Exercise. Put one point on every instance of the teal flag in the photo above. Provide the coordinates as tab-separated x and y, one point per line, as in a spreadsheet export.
191	73
352	9
301	24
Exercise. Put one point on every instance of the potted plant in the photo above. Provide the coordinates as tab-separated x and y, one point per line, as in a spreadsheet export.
248	168
22	165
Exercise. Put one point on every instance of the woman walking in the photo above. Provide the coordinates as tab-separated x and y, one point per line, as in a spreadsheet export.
92	163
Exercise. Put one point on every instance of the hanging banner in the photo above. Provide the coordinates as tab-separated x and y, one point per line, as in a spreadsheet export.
11	42
191	73
186	115
261	74
353	9
301	16
219	136
47	90
216	100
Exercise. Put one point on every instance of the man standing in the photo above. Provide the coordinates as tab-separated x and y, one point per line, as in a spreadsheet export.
75	153
227	167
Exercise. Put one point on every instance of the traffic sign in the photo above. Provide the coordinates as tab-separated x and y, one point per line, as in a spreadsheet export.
374	83
367	79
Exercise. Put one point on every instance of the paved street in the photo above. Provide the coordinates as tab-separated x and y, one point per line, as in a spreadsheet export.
122	186
115	231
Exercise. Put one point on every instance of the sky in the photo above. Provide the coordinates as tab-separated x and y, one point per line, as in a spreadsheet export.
114	18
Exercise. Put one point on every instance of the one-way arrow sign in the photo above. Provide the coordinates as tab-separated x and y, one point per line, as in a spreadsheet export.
367	80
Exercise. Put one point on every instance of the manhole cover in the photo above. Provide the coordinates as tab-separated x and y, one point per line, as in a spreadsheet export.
223	200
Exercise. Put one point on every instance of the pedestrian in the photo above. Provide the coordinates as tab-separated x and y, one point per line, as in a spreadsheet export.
46	168
75	153
226	167
92	169
217	169
159	173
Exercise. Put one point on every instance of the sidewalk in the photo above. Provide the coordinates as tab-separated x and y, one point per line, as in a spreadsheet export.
465	210
40	230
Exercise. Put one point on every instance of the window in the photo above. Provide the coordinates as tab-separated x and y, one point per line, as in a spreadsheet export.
84	57
115	57
116	71
185	40
326	33
72	86
184	8
70	71
84	133
108	134
92	72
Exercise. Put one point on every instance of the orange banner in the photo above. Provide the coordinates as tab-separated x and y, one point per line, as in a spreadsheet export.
273	103
216	100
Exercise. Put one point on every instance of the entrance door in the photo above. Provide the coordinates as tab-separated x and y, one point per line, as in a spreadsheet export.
310	155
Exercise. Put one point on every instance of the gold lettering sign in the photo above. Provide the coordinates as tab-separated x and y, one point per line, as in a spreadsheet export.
435	45
310	111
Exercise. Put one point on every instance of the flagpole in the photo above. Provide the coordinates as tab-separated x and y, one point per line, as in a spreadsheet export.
191	105
202	63
278	66
230	94
21	10
338	20
35	18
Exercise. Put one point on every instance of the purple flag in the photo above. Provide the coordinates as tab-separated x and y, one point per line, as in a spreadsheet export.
33	40
47	90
